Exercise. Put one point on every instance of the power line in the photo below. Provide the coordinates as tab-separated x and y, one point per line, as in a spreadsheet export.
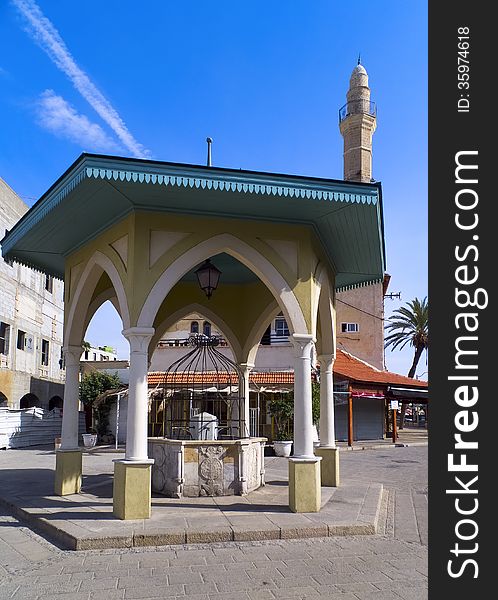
361	310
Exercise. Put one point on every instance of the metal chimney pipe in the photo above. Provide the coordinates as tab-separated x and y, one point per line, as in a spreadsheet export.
209	142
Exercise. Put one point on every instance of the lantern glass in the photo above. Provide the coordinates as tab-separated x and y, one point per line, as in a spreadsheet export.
208	277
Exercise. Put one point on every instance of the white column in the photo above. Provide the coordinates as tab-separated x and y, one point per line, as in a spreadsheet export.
327	417
246	370
136	423
303	418
72	355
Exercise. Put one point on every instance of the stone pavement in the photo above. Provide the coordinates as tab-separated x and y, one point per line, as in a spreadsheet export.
390	564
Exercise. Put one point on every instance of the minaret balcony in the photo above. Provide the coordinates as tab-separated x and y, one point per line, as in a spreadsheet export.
357	107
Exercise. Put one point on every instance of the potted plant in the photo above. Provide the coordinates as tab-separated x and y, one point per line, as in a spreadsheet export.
90	438
281	409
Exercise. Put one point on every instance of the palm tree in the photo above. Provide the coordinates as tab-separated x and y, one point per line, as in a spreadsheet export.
409	326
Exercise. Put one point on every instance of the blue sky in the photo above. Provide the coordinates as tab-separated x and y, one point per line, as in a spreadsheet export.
264	79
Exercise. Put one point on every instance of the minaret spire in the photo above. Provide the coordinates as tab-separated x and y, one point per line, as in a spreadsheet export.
357	123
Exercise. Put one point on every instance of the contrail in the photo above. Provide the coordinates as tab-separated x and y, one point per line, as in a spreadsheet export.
49	39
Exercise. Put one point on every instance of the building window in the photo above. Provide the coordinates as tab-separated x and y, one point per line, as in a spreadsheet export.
206	328
350	327
45	352
49	283
4	337
194	327
281	329
21	339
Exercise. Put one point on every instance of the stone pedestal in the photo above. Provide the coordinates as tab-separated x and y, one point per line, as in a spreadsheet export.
132	489
304	484
68	469
329	465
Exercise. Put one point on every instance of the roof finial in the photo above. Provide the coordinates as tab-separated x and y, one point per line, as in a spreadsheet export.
359	58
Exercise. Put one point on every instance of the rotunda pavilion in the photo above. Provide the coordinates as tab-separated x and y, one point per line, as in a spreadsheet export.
134	231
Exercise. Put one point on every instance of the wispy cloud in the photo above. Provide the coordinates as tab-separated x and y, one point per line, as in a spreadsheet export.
49	39
57	116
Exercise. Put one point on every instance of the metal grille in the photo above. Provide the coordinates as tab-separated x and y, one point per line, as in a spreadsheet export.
202	396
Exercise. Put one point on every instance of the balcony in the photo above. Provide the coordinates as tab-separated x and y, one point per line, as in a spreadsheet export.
357	107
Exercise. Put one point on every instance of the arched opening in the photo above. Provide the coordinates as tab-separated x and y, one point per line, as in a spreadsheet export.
55	402
104	333
96	314
29	401
4	402
239	261
100	282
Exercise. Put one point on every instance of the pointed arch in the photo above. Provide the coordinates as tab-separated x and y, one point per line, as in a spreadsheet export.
205	312
107	295
241	251
79	309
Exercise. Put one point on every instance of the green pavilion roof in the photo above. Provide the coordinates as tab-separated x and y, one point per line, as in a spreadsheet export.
98	191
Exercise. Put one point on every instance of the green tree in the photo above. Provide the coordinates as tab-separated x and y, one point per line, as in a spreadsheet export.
91	387
281	408
409	325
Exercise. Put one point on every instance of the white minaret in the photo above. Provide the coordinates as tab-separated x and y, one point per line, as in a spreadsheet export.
357	123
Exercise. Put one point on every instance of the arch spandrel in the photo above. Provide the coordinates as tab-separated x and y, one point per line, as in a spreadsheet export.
107	244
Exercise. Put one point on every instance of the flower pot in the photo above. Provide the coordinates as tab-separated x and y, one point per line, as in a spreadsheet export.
89	440
282	448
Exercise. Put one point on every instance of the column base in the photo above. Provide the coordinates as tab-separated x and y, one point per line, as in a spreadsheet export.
132	489
68	469
304	485
330	466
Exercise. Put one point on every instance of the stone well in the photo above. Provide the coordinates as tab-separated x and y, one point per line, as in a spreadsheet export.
206	467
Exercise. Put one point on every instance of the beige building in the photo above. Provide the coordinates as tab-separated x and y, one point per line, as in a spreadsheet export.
31	320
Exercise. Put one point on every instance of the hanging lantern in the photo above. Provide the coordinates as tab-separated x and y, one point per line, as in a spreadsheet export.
208	276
